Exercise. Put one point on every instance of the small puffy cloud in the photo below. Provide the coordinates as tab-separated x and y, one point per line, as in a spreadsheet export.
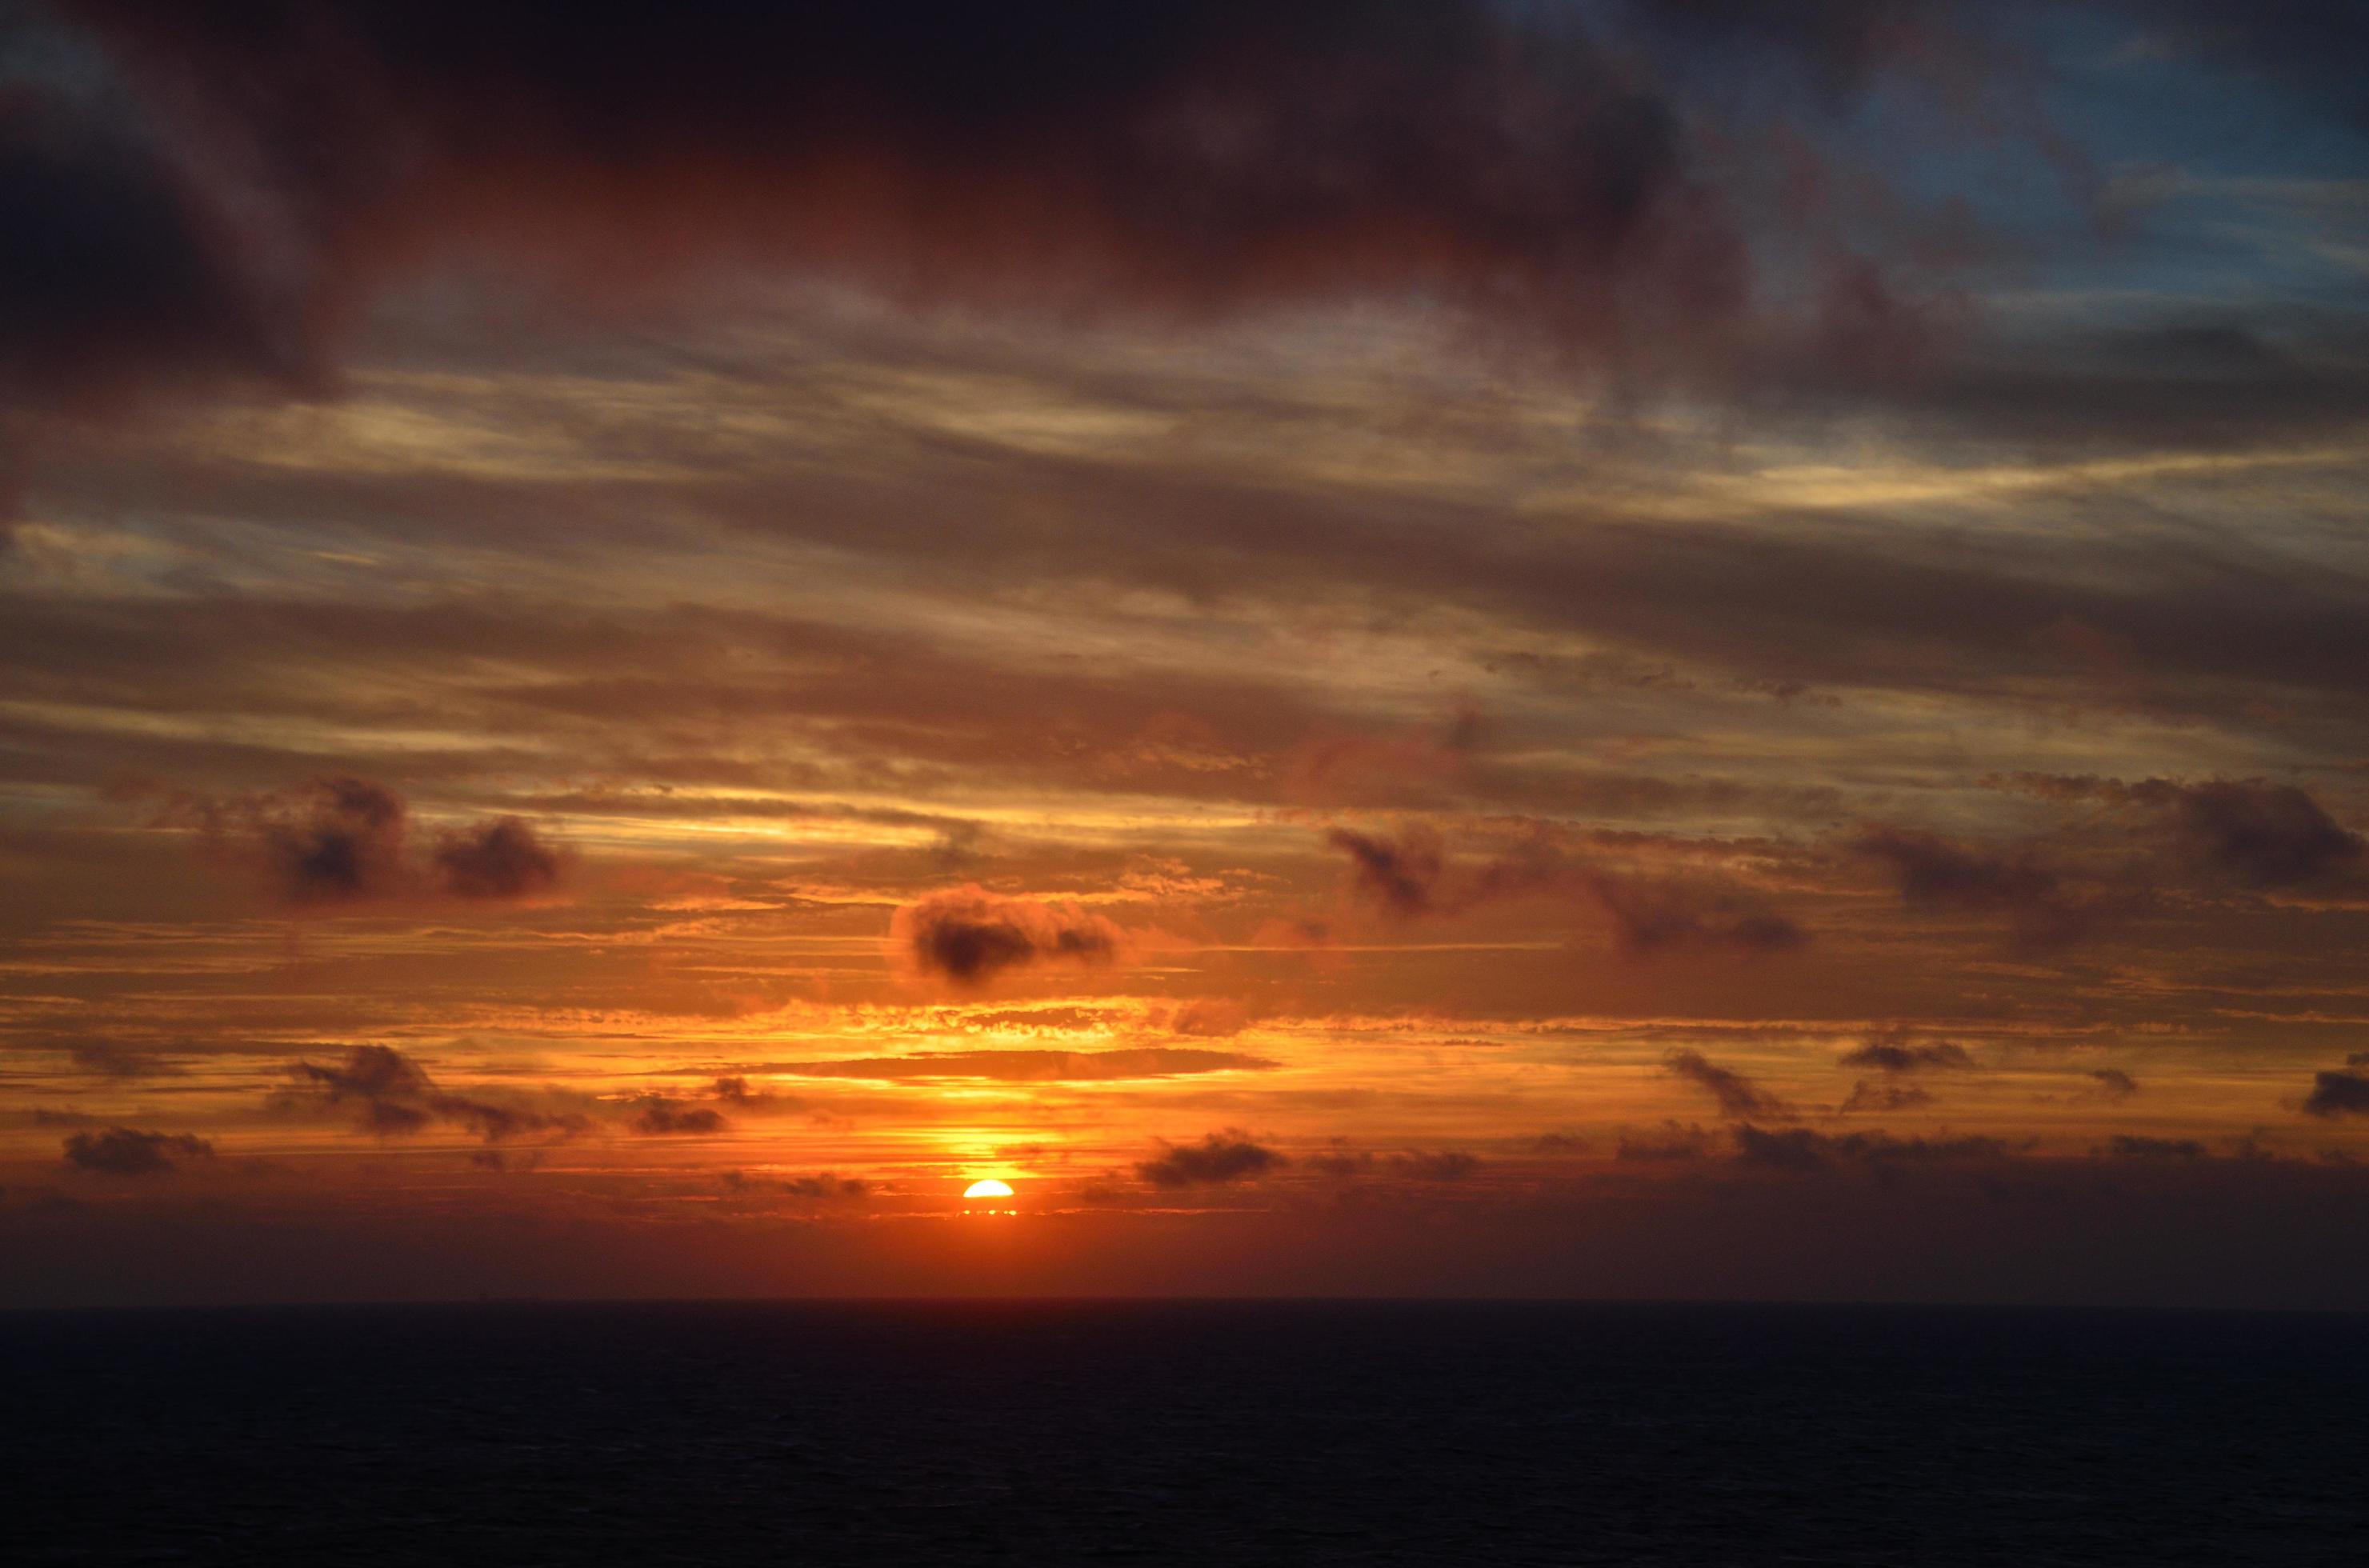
827	1188
1210	1017
1884	1057
500	859
1217	1160
126	1151
657	1115
1738	1096
970	935
332	840
2338	1094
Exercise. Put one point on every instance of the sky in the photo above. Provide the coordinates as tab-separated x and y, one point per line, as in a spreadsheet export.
1496	648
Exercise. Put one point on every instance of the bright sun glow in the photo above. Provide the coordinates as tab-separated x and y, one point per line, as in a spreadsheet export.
990	1187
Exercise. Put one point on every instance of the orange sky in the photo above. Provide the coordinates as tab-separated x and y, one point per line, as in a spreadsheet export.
1352	671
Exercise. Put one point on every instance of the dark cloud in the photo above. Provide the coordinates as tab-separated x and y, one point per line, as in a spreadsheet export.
1410	875
1402	875
1032	1067
1867	1095
970	935
333	841
1881	1055
393	1096
2252	833
2263	835
217	189
655	1115
498	859
1219	1158
111	1058
125	1152
2338	1094
1435	1166
1939	873
1738	1096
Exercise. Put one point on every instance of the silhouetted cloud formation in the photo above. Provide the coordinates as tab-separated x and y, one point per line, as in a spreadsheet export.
341	840
1938	873
1738	1096
393	1096
219	187
970	935
2338	1094
1881	1056
125	1152
334	839
502	858
1410	875
658	1115
1217	1160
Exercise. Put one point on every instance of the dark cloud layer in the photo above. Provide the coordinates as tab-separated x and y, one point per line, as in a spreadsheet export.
126	1151
1219	1159
499	859
234	181
969	935
393	1096
1411	876
2338	1094
1737	1095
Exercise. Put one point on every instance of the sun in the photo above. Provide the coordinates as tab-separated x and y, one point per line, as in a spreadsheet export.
990	1187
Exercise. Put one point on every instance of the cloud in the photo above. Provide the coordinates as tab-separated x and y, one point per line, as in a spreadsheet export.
1942	1056
1209	1018
1402	875
1866	1095
342	839
658	1115
1935	874
1738	1096
393	1096
1032	1067
2112	1085
125	1152
970	935
2338	1094
1410	876
110	1058
499	859
333	841
1219	1159
218	191
2263	835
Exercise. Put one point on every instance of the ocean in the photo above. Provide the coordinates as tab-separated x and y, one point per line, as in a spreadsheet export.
1027	1433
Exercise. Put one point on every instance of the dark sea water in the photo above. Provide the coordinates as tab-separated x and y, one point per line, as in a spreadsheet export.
1054	1433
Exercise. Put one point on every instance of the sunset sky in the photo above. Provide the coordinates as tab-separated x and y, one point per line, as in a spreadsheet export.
1617	647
